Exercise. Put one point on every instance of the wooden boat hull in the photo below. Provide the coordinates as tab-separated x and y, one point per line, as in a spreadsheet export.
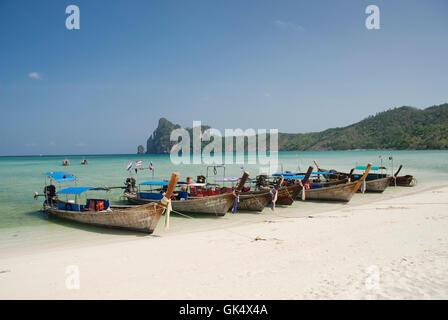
403	181
287	195
217	205
339	192
374	185
254	201
377	185
142	218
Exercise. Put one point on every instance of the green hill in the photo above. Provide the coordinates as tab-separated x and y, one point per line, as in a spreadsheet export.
399	128
159	141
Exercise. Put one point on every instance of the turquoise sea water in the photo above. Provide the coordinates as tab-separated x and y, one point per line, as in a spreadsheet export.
22	224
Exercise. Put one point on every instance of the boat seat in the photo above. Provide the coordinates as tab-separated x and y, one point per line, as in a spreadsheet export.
69	206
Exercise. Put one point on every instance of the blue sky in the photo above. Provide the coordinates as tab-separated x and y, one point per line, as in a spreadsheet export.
297	66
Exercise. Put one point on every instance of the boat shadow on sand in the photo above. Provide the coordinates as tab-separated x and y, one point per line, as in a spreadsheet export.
40	214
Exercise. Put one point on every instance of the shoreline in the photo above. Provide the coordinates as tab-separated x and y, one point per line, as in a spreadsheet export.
75	235
323	255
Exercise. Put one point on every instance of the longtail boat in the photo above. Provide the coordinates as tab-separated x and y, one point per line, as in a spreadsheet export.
286	195
402	181
99	212
217	204
252	200
377	185
375	182
339	190
247	200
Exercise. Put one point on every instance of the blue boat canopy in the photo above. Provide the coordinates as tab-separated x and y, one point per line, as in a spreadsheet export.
155	183
79	190
60	176
294	177
283	174
365	167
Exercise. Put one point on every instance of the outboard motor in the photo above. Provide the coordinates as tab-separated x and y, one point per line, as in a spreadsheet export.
261	181
50	193
130	184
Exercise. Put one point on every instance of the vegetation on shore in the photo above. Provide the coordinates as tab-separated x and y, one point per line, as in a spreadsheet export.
403	128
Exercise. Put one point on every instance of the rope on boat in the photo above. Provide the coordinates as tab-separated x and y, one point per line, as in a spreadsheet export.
289	194
363	186
303	190
253	196
237	199
167	204
182	214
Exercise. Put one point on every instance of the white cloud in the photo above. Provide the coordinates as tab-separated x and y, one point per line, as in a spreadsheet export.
288	25
34	75
82	144
52	144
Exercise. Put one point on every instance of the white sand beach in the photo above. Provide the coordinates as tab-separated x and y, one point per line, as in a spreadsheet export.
391	248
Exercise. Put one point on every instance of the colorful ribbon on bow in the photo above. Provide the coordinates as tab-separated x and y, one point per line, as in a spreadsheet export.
303	190
363	186
395	180
274	198
237	199
167	204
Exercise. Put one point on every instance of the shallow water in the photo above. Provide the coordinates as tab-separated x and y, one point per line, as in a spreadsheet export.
24	227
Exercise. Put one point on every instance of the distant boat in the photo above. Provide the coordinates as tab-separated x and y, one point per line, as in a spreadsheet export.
403	181
65	162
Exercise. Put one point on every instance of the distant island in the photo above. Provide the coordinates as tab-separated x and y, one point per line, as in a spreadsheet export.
403	128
